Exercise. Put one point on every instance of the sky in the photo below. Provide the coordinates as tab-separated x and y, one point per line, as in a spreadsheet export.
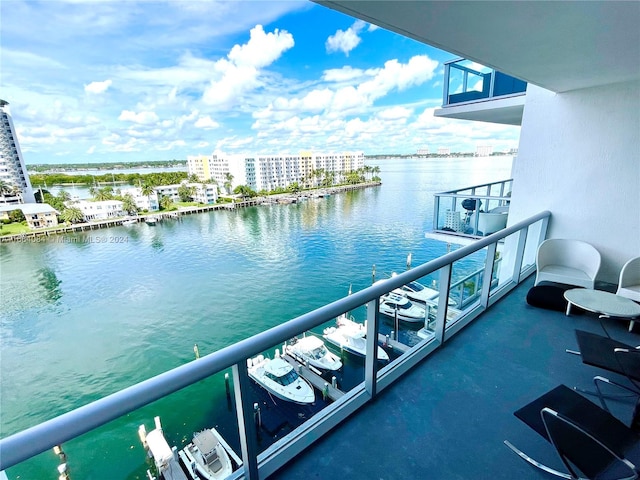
93	81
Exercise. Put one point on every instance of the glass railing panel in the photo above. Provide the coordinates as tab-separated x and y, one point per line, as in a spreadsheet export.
466	284
116	449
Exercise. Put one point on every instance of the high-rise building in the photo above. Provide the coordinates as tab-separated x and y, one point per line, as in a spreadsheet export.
15	186
268	172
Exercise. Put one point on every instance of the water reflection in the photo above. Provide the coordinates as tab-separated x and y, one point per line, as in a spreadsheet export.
49	281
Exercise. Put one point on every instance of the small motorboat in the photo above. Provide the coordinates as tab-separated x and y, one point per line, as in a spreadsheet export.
208	456
392	304
151	220
350	336
279	378
312	350
129	221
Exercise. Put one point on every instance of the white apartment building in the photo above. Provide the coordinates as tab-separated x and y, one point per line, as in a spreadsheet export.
444	151
268	172
102	210
422	151
484	150
206	193
12	168
143	202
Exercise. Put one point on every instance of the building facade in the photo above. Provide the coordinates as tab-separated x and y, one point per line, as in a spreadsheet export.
143	202
102	210
269	172
16	187
37	215
206	193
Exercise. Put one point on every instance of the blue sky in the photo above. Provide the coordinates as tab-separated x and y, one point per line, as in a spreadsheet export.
91	81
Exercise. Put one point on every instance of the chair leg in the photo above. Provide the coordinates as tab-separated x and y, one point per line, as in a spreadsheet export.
535	463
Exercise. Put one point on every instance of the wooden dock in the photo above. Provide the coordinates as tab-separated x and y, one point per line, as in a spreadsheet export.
316	380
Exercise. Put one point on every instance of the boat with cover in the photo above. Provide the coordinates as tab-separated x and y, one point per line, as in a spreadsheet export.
208	456
419	293
392	304
279	378
312	349
350	336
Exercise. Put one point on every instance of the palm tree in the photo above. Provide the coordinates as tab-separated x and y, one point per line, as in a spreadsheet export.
228	182
72	215
186	192
166	203
129	204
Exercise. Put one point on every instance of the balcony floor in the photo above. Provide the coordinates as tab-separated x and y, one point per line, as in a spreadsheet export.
448	417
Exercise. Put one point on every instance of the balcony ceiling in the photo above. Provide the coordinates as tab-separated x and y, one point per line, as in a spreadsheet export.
560	46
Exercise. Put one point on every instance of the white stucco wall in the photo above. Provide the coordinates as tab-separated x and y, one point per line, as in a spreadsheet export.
579	157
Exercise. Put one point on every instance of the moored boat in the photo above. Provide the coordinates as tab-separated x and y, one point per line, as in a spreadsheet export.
350	336
151	220
393	304
419	293
129	221
312	350
208	456
164	457
279	378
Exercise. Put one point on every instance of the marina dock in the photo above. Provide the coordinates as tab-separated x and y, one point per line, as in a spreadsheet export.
316	380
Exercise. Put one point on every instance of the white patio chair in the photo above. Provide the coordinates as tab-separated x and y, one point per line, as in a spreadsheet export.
567	261
629	283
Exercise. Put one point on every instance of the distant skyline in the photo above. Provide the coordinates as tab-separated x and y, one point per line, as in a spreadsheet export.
136	81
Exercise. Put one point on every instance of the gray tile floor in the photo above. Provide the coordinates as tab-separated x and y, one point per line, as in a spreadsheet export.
448	417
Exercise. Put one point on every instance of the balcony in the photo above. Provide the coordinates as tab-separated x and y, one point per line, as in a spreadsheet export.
472	212
475	92
440	409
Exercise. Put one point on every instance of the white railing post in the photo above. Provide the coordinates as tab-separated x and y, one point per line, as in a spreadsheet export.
519	255
445	94
246	423
443	302
488	274
371	359
436	208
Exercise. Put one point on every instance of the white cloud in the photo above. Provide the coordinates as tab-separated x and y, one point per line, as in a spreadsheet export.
91	149
345	41
206	122
395	113
97	87
144	118
240	72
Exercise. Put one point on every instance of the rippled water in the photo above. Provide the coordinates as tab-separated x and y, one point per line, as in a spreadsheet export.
85	315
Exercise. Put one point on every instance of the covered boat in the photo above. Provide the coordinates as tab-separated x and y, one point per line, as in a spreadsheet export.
312	349
349	336
207	456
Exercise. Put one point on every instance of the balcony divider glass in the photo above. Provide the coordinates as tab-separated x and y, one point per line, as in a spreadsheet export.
474	211
466	81
507	261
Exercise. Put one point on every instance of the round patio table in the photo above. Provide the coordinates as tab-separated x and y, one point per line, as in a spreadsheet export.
603	303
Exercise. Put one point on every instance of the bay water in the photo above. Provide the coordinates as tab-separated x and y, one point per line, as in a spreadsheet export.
85	315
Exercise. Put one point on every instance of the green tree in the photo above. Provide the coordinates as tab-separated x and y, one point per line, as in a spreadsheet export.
5	188
193	178
244	191
186	192
16	216
294	187
72	215
166	203
129	204
228	182
105	193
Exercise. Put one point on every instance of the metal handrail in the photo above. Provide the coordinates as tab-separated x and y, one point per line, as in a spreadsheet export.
39	438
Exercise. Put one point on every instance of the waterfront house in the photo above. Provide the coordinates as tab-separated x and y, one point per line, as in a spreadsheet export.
37	215
100	210
206	193
443	409
143	202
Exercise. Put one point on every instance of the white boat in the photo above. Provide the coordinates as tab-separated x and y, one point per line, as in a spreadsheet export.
151	220
164	457
129	221
392	304
208	456
419	293
351	336
311	349
279	378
